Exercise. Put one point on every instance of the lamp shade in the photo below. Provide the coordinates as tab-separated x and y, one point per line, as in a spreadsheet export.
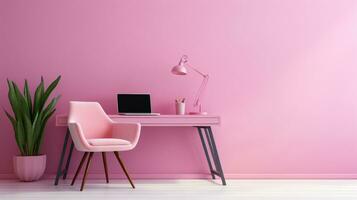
179	69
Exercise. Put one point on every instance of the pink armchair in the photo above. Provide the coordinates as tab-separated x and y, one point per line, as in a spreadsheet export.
93	131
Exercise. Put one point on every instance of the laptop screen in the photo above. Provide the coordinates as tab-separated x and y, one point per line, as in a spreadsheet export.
134	103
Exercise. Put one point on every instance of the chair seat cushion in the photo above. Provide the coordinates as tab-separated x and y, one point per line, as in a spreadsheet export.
107	142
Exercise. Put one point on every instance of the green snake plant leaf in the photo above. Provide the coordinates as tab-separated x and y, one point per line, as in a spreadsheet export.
19	134
38	98
27	94
14	126
51	106
15	121
47	113
42	128
37	128
24	107
29	134
13	100
11	118
50	88
25	116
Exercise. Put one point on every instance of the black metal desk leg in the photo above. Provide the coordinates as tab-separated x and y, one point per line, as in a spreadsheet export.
68	161
206	152
210	146
215	155
59	168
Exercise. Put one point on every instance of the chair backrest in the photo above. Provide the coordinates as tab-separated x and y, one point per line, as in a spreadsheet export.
92	119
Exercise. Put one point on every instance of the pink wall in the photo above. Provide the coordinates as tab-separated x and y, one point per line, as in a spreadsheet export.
283	78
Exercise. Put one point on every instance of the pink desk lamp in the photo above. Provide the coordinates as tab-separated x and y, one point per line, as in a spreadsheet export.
181	69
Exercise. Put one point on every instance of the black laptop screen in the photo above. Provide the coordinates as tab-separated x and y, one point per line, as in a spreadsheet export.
134	103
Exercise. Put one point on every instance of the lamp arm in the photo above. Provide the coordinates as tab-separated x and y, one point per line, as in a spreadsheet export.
196	70
200	91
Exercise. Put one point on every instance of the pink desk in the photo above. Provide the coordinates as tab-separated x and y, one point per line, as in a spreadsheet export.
202	123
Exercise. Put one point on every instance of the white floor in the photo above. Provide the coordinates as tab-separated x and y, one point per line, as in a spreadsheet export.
183	189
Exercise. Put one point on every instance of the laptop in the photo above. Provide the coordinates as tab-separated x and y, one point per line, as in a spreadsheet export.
134	104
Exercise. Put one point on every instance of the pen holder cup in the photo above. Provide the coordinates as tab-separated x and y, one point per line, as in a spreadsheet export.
180	108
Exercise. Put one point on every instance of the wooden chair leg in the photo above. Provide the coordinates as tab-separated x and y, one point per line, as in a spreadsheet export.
86	170
105	166
79	167
122	166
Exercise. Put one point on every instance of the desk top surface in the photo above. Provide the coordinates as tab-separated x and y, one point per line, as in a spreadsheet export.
158	120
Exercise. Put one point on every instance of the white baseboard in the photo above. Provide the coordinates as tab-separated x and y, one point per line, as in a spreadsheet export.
204	176
291	176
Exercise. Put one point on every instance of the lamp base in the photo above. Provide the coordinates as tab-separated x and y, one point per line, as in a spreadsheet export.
198	113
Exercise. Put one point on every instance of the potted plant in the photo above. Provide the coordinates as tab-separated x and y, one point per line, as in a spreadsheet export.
30	115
